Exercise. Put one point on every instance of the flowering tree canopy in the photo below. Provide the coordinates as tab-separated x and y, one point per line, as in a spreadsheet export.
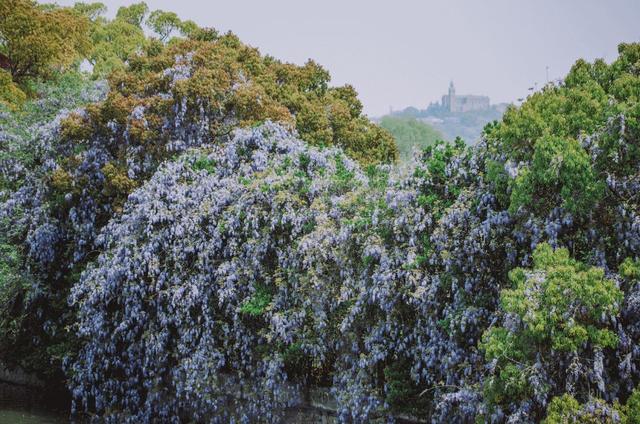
219	232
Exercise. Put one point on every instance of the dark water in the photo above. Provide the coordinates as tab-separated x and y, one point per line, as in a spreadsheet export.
26	416
21	405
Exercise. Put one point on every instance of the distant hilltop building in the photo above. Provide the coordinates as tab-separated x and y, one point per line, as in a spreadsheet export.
465	103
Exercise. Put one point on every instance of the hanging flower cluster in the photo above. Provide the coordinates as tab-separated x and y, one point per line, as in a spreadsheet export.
32	305
297	268
213	236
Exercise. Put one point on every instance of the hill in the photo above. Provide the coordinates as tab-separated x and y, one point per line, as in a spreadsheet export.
410	134
466	125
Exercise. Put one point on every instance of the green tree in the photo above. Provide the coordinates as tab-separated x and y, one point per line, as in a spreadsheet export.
164	23
559	308
37	40
579	106
113	41
409	133
560	173
134	14
93	11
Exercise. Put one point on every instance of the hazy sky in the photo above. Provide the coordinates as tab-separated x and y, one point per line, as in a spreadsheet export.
405	52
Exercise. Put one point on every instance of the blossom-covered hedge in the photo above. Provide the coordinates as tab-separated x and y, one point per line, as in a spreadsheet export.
299	268
290	260
33	308
211	254
67	172
392	287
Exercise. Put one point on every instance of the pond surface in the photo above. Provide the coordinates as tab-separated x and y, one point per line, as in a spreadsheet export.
25	416
21	405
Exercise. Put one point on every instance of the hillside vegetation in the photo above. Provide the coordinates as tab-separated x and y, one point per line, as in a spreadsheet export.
466	125
410	134
209	221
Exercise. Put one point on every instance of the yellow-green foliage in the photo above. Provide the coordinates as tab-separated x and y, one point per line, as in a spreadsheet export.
117	184
247	89
224	76
562	301
133	14
579	106
566	409
39	40
11	96
560	305
61	180
75	127
113	41
560	167
630	269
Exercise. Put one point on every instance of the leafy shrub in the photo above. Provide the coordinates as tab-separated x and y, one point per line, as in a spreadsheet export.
11	96
554	315
566	409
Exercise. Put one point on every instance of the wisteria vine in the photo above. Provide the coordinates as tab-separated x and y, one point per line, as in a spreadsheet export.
219	278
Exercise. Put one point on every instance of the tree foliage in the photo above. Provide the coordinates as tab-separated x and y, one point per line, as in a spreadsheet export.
164	23
38	40
555	314
65	180
410	134
169	242
31	308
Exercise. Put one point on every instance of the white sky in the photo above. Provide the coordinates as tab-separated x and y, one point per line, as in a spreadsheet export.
404	52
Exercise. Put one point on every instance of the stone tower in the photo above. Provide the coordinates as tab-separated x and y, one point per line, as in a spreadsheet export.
452	97
463	103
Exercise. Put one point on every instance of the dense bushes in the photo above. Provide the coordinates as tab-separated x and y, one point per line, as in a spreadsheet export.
416	292
241	221
64	177
294	264
31	304
494	283
558	313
